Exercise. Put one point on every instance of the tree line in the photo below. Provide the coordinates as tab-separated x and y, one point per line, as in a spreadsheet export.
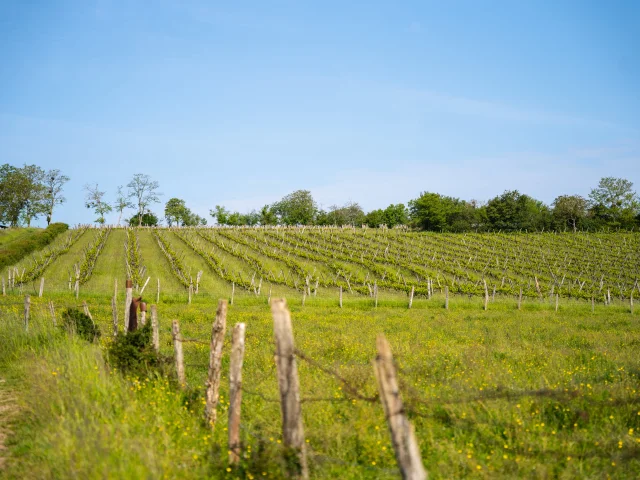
29	192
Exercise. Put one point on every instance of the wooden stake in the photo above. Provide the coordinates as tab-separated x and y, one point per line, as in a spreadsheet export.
375	293
85	308
154	326
190	292
114	315
4	288
41	287
411	297
177	347
340	296
158	293
235	392
292	430
145	285
233	290
486	295
127	303
402	434
215	360
520	299
52	312
631	302
77	288
304	295
557	301
269	297
143	313
446	297
593	305
27	307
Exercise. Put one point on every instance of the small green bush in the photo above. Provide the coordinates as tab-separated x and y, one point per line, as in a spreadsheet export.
134	354
76	321
20	248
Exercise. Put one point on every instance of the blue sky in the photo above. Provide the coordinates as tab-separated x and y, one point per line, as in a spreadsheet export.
240	103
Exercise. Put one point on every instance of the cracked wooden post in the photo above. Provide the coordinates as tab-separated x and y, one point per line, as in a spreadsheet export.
486	295
114	315
340	296
143	313
52	311
402	434
215	360
446	297
177	348
27	307
155	338
127	303
41	291
235	392
411	297
292	429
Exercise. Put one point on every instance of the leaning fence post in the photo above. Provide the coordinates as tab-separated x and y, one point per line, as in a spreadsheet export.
235	391
215	360
85	308
411	296
41	291
114	315
402	434
27	307
154	326
177	347
127	304
292	430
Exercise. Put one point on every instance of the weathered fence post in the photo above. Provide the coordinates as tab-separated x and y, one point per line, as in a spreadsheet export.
593	304
4	288
41	291
190	292
557	301
158	293
27	307
375	293
114	315
177	347
233	291
235	391
402	434
143	313
631	302
269	297
85	308
154	326
292	430
446	297
520	299
53	312
215	360
411	297
486	294
127	303
340	296
77	288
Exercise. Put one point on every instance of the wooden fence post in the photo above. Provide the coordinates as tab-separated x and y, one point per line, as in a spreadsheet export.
158	293
446	297
177	347
127	304
215	360
402	434
557	301
520	299
340	296
233	290
411	297
27	307
41	291
143	313
235	392
292	430
77	288
593	304
269	297
486	295
114	315
85	308
154	326
631	302
190	292
375	293
53	312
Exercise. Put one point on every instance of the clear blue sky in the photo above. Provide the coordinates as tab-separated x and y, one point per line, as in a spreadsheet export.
240	103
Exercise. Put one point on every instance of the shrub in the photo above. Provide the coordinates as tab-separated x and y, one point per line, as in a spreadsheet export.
76	321
133	353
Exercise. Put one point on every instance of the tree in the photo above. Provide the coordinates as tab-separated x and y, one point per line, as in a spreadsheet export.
396	215
148	219
435	212
94	199
569	210
267	216
22	193
375	218
297	208
615	202
144	192
349	214
122	202
220	214
54	181
176	211
515	211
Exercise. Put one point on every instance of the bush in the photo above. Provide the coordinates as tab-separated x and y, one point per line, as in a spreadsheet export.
133	353
18	249
76	321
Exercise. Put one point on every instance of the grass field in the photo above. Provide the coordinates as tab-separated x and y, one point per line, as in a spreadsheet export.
501	393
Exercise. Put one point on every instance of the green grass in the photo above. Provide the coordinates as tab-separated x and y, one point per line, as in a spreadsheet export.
10	234
497	394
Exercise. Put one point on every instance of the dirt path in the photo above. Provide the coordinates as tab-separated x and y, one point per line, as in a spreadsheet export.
8	411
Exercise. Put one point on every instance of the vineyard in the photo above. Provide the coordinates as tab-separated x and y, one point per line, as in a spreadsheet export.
516	354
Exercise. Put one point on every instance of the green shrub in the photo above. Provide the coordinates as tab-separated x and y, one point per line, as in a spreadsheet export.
133	353
15	251
76	321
